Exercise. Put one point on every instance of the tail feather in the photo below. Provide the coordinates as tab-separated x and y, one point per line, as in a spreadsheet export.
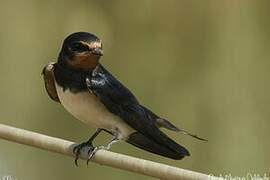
161	122
192	135
164	123
139	140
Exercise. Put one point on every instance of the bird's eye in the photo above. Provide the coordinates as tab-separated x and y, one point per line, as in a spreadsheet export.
79	47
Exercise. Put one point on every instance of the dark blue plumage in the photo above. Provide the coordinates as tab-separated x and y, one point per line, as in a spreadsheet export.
121	102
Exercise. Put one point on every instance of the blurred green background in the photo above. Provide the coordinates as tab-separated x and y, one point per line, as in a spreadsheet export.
202	64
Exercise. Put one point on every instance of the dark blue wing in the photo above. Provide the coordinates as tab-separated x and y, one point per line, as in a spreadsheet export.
121	102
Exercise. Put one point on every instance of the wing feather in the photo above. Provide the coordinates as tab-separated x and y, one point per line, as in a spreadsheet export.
48	77
121	102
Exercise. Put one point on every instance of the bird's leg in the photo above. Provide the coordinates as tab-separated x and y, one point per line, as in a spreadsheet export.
89	143
114	140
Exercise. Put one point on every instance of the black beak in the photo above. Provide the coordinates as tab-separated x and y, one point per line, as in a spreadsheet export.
97	52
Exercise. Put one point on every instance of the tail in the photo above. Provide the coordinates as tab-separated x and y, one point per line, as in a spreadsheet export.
139	140
160	122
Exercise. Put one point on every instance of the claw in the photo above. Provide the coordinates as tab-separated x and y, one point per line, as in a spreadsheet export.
76	160
91	153
77	150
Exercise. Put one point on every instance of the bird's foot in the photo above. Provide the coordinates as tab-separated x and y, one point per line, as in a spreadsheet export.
91	153
77	150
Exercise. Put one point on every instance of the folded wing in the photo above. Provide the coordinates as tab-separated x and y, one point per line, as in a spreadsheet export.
121	102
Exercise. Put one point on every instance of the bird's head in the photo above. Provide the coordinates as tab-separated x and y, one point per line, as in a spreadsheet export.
81	50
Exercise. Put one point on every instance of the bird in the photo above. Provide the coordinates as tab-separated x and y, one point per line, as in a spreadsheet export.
88	91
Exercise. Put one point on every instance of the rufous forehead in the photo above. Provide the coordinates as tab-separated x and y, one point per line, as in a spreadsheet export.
93	45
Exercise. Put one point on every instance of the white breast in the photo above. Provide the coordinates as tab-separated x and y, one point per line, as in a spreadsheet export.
87	108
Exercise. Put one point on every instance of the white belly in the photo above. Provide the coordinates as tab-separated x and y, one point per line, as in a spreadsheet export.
87	108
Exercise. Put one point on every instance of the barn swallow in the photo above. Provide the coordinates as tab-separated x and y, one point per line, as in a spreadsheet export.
94	96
